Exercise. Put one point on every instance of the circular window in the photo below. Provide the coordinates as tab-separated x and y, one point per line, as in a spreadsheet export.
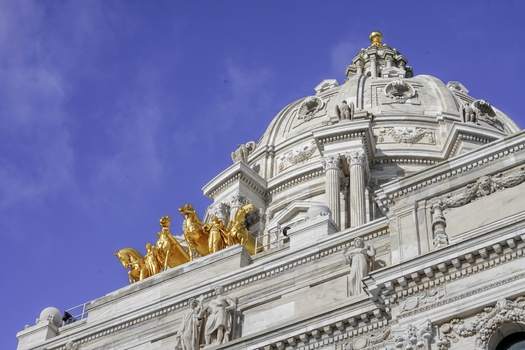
514	341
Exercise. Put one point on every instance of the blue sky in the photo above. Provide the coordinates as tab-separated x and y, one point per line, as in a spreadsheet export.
115	113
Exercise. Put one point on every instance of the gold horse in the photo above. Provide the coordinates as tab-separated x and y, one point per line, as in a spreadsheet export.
171	252
130	257
239	234
195	236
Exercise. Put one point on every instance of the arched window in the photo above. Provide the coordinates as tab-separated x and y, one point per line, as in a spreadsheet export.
510	336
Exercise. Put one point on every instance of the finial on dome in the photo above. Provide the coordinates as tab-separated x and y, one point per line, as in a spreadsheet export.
375	38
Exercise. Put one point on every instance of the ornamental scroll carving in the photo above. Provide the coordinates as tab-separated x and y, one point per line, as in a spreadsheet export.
298	155
415	337
484	186
479	112
242	152
486	323
309	107
399	91
406	134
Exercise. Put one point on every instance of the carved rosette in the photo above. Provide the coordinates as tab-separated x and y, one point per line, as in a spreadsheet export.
486	323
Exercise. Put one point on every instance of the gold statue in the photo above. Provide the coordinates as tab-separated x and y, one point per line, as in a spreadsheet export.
238	233
153	259
129	257
171	252
194	235
217	235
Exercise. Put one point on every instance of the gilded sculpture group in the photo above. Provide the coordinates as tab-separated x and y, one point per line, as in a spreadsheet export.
201	238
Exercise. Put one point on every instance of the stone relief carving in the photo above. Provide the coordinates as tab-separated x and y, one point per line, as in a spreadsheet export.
207	326
243	151
345	111
222	211
486	323
399	91
424	298
415	337
365	341
484	186
309	107
72	346
480	111
361	260
298	155
188	334
406	134
439	223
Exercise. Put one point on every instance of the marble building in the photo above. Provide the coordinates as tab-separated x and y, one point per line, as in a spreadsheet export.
387	213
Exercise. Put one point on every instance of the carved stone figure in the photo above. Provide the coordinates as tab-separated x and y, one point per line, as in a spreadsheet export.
439	224
345	111
415	337
188	335
469	116
219	322
242	152
309	107
360	258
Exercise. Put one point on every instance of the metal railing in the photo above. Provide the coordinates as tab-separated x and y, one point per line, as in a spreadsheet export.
75	313
270	240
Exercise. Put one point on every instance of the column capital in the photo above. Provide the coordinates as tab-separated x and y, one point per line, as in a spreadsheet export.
331	162
357	157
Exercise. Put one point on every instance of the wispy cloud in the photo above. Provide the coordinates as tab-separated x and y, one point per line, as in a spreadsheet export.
36	156
341	56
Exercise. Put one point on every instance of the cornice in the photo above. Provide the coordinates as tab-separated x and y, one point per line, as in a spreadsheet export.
238	172
492	153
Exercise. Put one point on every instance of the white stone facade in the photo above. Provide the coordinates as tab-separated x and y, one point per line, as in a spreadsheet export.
420	183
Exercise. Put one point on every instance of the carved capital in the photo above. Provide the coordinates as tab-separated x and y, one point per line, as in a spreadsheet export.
331	162
356	158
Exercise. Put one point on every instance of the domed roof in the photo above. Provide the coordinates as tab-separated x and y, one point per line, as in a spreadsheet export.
381	88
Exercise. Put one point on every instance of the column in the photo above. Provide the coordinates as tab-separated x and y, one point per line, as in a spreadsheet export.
331	170
373	66
358	169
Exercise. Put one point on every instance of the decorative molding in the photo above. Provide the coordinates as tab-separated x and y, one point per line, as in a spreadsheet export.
406	134
415	337
235	178
424	298
296	181
309	107
369	342
486	322
489	158
297	155
398	91
484	186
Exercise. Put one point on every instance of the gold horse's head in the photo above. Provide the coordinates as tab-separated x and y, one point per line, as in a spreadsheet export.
186	209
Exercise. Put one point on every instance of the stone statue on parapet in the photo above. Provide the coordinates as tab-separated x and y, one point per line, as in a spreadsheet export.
242	152
189	333
361	259
345	111
219	319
